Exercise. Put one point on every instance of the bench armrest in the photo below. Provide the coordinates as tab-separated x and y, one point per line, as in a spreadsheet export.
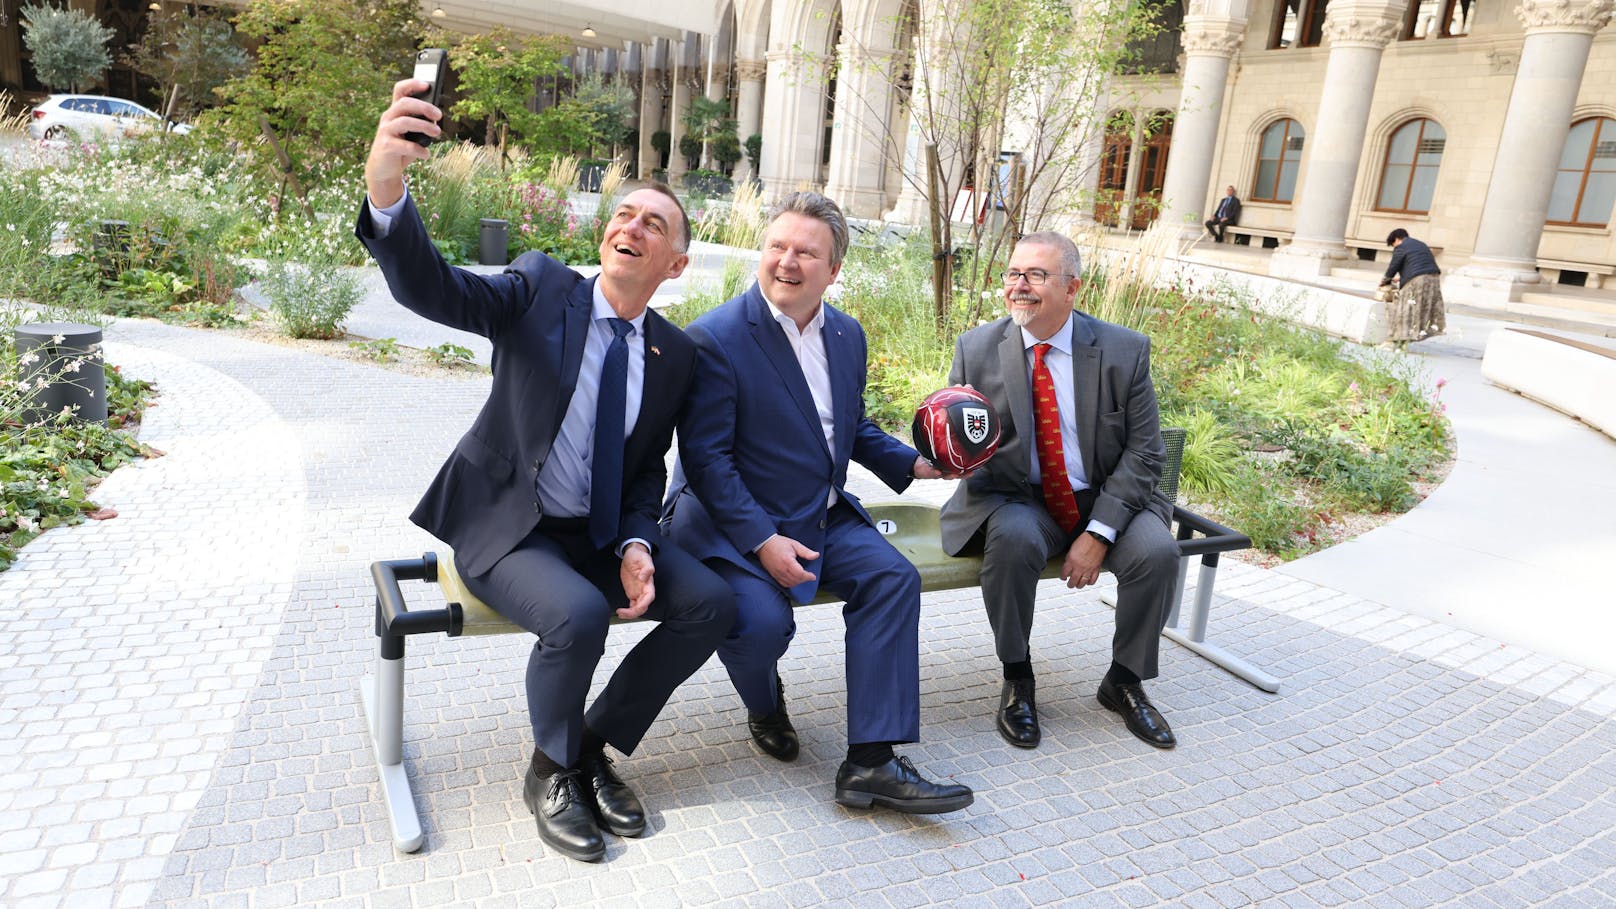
393	617
1214	536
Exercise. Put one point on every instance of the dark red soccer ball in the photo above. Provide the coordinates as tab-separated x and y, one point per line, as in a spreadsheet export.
957	429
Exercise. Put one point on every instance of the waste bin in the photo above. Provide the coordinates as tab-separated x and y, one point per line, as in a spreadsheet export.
494	248
65	370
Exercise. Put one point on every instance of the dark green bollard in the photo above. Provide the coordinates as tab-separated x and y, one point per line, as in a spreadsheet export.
62	364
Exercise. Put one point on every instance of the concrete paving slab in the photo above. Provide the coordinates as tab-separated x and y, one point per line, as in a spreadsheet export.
1409	761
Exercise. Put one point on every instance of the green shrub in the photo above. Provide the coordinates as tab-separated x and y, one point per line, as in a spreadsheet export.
382	350
451	356
1212	456
310	300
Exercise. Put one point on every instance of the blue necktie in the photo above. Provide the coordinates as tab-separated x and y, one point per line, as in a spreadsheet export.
606	472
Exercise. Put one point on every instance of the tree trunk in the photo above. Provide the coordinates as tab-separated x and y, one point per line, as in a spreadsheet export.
942	260
286	165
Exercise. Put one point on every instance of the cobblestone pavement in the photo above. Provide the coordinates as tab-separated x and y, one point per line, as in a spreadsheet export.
179	688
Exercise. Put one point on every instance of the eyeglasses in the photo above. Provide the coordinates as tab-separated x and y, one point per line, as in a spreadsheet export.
1034	277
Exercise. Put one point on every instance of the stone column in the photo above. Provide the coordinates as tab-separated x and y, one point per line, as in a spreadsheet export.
650	113
791	133
934	117
679	74
749	76
1554	55
1212	34
1358	32
857	178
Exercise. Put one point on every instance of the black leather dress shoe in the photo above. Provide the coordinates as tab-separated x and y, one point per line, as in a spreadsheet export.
773	732
1143	719
1018	713
899	786
566	821
616	806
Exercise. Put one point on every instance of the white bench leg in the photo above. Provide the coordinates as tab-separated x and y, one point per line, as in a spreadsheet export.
1195	640
383	697
1200	613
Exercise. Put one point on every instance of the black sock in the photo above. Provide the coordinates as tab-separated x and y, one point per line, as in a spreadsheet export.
869	754
1015	671
1121	675
591	745
543	766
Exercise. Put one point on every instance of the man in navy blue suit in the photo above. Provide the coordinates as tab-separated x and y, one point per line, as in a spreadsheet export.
551	499
775	415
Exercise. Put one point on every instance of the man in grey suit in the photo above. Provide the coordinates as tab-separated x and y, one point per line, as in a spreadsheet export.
1075	473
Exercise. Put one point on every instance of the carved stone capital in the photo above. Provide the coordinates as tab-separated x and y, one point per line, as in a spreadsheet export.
750	70
1585	16
1372	25
1212	36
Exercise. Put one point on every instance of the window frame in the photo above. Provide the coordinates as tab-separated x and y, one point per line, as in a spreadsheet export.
1310	15
1411	20
1413	166
1279	172
1600	122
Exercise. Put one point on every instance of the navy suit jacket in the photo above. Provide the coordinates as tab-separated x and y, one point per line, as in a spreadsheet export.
752	455
536	313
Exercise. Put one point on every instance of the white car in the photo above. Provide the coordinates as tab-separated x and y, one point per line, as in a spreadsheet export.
89	117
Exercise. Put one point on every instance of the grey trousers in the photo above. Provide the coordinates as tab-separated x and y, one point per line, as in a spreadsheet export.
1020	538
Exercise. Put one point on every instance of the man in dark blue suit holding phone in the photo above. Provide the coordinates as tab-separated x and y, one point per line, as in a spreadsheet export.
775	415
551	499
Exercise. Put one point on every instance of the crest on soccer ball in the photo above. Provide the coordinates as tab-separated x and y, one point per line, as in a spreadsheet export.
976	424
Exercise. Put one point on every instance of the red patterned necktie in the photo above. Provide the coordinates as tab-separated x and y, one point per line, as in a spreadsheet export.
1058	497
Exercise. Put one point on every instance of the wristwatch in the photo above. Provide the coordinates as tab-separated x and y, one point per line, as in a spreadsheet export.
1099	536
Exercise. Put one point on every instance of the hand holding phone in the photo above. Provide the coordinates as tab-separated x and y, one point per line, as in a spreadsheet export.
429	66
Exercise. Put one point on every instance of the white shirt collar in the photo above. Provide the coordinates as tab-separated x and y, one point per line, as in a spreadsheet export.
816	323
604	310
1061	340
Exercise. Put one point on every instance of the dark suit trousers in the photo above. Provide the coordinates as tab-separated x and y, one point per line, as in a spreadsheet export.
1020	538
881	590
555	585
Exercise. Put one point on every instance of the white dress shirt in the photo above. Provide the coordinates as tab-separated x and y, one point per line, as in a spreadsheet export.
809	345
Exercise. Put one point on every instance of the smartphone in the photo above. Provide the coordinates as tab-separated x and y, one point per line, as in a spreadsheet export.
429	67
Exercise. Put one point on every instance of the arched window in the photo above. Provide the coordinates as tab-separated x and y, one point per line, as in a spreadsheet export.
1114	167
1408	177
1585	185
1279	155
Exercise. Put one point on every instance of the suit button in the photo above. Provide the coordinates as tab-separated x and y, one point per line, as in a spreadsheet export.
821	523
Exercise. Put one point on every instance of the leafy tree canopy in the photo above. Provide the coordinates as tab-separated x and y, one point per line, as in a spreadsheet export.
496	73
69	47
193	52
324	72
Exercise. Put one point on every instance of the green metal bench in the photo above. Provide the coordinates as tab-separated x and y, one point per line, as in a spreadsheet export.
914	529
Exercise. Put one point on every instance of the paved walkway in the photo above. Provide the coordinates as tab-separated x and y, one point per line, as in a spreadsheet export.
179	688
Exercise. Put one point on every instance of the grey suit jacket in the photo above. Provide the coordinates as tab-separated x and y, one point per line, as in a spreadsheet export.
1118	426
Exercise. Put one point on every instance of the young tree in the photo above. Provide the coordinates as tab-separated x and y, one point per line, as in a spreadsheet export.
1030	75
69	47
496	73
189	54
612	104
324	71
